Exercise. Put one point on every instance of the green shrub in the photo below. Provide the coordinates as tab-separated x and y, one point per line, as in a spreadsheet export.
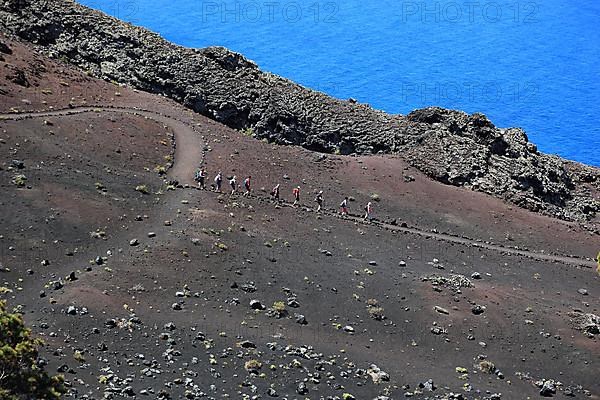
252	366
377	313
278	310
221	246
142	189
78	356
248	131
487	367
20	375
372	303
160	169
279	307
19	180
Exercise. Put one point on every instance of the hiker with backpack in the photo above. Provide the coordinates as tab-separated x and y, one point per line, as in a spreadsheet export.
275	193
218	181
368	211
319	200
344	206
233	184
200	177
296	193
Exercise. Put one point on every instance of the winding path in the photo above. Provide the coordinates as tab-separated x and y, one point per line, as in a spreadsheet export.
189	154
188	142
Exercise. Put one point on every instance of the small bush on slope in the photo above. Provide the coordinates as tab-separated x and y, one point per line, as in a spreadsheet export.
20	376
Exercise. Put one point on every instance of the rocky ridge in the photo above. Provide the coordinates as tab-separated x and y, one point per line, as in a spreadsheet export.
450	146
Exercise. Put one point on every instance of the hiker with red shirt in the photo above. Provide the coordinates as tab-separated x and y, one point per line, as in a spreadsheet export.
247	185
368	211
296	193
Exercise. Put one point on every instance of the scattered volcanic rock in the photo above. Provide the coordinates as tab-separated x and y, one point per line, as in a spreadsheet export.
450	146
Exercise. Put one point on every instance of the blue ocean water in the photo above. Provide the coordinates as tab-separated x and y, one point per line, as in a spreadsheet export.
530	64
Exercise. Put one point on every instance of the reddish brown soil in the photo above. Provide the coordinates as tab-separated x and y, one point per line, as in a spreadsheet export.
274	247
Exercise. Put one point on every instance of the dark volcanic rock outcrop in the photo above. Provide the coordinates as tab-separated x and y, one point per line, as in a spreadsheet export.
450	146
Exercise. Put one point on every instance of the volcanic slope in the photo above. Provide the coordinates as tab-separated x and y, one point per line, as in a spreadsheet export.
143	285
448	145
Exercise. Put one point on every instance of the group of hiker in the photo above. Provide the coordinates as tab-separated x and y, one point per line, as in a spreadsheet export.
201	176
